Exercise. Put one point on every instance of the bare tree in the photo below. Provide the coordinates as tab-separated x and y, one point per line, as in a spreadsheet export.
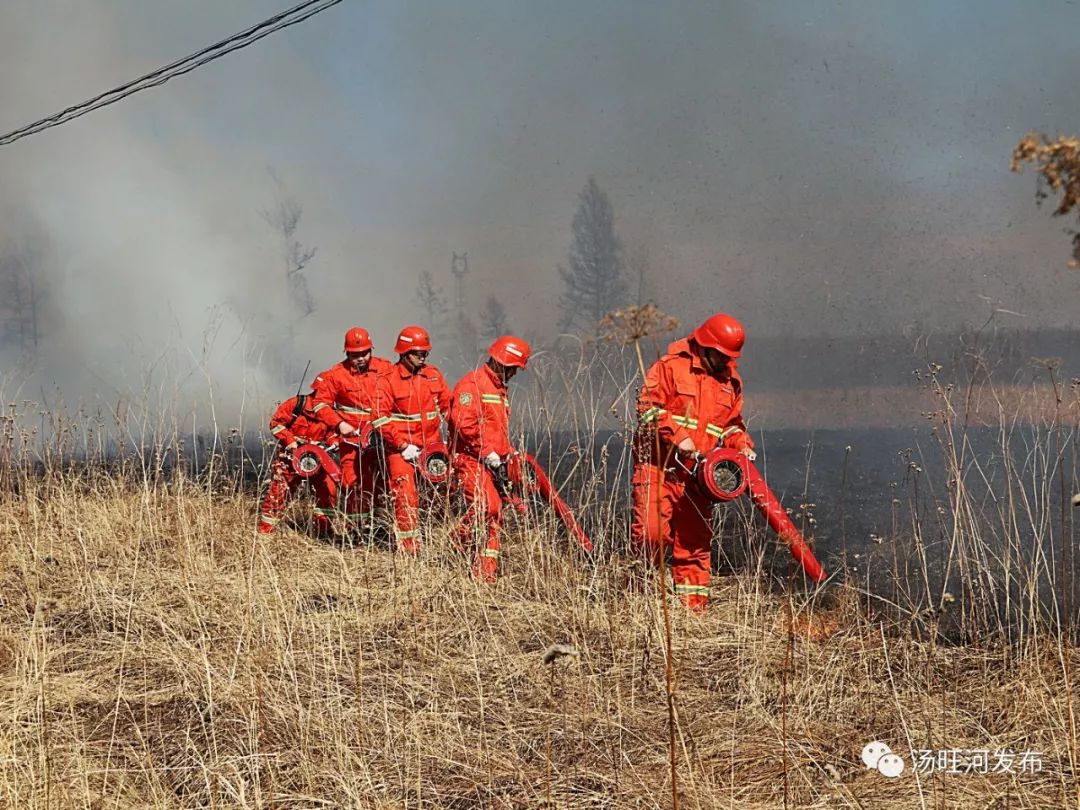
22	297
639	274
593	280
285	219
493	318
432	300
466	338
289	301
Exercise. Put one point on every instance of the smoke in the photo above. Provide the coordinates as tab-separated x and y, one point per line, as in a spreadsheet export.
833	168
162	278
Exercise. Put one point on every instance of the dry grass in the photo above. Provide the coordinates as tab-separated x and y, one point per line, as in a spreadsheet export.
156	652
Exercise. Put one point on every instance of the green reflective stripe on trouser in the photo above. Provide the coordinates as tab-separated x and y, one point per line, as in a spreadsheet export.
349	409
406	417
685	421
684	589
402	535
354	516
378	423
324	511
489	552
270	521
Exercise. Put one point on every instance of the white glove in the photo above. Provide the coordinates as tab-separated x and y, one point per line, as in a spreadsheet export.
750	454
411	452
687	447
492	460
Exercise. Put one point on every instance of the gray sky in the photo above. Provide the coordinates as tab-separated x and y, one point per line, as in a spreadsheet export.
815	167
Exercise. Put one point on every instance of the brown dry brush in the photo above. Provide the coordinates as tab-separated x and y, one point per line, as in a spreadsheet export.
1057	162
156	652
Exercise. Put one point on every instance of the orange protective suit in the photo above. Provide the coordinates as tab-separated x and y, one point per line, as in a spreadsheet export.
479	423
408	410
344	395
294	421
681	399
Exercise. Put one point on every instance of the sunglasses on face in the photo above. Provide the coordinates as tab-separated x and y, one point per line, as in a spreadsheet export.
419	354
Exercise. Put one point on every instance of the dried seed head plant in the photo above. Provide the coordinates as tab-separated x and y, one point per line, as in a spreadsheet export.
631	324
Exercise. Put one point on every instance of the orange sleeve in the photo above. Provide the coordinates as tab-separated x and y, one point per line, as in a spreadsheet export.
466	414
656	394
280	421
739	439
442	396
324	395
382	409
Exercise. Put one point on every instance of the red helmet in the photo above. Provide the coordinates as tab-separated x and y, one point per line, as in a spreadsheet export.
357	339
721	332
510	351
412	338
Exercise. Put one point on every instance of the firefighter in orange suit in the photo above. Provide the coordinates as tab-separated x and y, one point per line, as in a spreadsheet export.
412	399
480	445
344	401
692	400
294	424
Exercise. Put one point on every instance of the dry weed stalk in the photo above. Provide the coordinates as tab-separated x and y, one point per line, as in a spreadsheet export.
630	326
191	663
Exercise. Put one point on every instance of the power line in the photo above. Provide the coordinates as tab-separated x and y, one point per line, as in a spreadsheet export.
293	16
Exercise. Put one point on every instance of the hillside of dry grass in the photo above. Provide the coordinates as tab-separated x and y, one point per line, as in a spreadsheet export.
156	652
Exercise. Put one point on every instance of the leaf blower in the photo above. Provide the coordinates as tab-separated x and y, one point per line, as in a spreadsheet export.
434	463
524	471
311	458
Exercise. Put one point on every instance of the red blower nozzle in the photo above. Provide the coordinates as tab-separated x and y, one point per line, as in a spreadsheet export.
773	511
434	463
723	473
544	488
309	459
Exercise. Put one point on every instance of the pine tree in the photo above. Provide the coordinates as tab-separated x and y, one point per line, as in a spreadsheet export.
593	278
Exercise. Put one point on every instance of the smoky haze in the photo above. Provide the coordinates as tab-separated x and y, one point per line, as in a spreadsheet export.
825	169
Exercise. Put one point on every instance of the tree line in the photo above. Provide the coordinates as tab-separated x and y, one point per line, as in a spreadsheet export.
593	282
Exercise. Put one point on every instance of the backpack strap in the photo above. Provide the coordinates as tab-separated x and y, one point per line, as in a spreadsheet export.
298	409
